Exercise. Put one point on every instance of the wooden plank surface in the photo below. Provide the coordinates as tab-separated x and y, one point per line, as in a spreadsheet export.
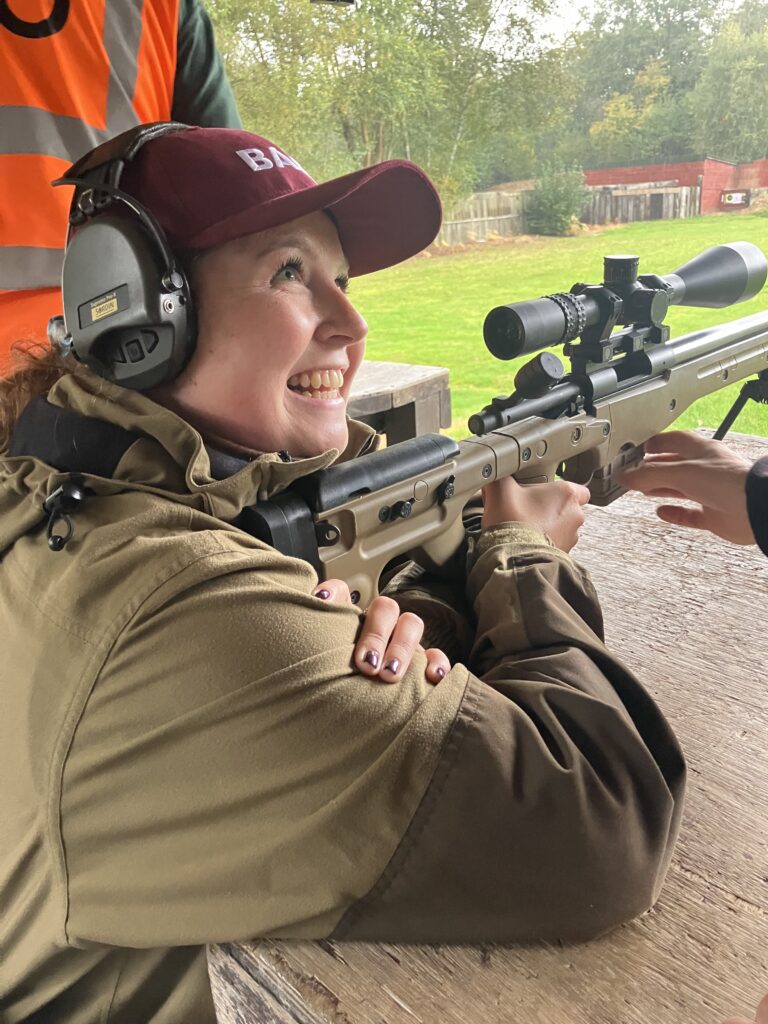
379	386
689	614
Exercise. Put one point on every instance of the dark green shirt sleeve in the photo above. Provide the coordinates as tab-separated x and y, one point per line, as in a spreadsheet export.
202	94
757	502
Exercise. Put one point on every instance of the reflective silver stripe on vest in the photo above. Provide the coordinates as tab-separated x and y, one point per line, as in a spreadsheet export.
22	264
122	35
31	130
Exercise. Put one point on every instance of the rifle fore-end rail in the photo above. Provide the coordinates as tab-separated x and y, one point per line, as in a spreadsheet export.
407	500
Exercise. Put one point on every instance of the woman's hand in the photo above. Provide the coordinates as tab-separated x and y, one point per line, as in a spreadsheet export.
555	508
681	464
388	640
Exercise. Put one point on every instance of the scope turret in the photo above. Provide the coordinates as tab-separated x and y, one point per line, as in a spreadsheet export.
720	276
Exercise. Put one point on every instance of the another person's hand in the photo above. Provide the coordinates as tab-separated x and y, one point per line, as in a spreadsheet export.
761	1015
387	640
682	464
555	508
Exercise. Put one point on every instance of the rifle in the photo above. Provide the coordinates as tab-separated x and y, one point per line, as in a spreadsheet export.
349	521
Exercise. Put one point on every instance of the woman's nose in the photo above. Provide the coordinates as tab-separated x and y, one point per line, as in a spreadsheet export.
343	322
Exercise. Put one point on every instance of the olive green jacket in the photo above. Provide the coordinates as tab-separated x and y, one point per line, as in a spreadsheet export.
189	756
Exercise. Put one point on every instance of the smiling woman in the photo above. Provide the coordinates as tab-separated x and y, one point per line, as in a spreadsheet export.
288	284
195	746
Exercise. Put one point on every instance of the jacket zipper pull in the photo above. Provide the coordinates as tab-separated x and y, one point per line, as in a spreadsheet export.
60	505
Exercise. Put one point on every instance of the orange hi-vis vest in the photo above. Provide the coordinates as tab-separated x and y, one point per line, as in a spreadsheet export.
73	74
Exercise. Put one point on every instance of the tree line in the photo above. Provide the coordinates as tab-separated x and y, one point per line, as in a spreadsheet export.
478	92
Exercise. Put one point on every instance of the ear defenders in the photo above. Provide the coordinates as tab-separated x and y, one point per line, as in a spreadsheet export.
128	311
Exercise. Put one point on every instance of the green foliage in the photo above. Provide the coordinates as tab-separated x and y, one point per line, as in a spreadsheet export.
473	92
636	65
730	101
556	200
433	81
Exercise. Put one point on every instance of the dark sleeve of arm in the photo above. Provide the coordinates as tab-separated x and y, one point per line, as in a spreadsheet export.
757	502
556	803
202	94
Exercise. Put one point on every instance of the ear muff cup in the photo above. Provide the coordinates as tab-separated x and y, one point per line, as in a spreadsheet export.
130	320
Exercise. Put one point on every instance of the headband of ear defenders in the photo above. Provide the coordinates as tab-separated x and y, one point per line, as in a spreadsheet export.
128	312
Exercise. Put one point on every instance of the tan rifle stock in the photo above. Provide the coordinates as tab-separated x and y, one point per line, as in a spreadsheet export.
420	515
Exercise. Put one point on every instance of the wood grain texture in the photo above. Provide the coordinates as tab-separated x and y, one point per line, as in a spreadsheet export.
689	614
395	383
401	400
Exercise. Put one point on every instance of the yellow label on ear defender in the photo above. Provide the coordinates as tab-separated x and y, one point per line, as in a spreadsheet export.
103	306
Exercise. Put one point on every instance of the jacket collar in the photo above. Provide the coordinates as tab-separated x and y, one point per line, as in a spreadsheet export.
170	457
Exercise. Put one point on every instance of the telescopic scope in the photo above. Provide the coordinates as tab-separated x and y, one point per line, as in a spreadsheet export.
720	276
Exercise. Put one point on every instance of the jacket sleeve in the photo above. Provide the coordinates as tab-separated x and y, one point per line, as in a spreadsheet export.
757	502
232	775
202	94
556	804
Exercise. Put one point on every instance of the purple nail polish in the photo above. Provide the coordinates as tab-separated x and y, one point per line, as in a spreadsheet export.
440	673
371	658
323	594
392	666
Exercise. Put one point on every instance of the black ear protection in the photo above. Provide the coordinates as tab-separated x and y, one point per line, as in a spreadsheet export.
128	311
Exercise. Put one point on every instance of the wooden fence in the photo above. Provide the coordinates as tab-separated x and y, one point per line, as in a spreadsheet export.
623	204
484	215
488	215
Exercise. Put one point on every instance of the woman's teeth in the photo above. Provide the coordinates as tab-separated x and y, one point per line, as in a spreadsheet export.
318	383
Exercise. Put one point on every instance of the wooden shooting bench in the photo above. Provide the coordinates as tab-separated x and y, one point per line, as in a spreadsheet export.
689	613
401	400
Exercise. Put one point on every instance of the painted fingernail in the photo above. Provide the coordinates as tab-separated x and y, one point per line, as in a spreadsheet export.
323	594
440	673
392	666
371	658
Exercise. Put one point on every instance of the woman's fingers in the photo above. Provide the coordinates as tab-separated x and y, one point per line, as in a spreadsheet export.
388	640
401	647
438	665
333	590
378	626
579	491
556	508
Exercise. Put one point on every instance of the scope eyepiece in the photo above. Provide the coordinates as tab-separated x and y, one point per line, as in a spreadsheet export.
525	327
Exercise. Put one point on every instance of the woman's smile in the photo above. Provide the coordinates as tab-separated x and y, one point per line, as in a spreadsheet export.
321	386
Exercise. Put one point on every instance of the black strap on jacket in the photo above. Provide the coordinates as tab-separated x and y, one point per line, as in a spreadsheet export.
69	441
75	444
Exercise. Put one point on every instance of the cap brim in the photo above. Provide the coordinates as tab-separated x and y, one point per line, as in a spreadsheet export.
383	214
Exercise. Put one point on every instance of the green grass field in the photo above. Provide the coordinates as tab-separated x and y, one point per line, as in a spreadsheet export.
431	309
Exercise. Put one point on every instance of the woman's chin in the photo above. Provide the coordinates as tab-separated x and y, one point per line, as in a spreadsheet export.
320	443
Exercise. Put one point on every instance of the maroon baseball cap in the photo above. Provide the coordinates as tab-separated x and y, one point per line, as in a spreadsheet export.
207	186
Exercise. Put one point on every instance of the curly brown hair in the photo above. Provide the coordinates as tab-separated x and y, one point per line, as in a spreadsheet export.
32	370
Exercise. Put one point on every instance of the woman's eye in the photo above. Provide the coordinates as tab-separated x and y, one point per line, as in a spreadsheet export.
289	271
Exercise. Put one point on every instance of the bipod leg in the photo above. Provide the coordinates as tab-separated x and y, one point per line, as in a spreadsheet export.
756	389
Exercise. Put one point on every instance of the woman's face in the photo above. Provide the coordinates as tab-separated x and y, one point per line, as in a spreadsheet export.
278	341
